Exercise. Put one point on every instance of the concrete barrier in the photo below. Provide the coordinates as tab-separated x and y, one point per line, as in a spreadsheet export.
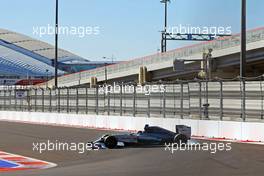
207	128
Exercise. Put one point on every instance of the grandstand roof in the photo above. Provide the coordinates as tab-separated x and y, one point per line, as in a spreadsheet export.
23	55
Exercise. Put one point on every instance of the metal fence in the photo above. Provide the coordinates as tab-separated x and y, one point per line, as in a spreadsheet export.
178	100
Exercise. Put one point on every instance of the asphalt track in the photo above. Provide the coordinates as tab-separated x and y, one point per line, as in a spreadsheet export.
242	160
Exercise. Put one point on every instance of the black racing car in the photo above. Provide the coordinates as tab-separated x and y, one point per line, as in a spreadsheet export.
152	135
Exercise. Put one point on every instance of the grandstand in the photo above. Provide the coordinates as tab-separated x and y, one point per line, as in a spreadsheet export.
22	57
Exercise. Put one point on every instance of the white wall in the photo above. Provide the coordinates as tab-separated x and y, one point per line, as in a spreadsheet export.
206	128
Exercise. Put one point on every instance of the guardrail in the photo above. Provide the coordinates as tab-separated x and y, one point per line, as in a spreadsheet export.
219	44
177	100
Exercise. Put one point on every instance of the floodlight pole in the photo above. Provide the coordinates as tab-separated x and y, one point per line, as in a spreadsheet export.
56	44
164	32
243	56
243	40
165	25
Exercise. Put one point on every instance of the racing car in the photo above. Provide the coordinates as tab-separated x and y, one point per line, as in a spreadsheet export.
151	136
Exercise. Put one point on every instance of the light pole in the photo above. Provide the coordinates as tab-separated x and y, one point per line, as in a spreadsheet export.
243	56
243	40
56	43
164	32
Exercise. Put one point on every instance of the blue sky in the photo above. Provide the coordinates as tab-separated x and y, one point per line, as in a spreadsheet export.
128	28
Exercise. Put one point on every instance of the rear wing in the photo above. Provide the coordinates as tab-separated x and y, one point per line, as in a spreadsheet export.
182	129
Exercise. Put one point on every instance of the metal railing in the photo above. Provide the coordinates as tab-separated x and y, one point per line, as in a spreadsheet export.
170	100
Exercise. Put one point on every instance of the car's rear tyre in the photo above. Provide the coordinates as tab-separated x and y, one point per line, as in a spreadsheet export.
110	142
180	139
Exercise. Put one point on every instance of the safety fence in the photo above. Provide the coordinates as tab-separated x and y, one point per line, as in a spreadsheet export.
224	100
